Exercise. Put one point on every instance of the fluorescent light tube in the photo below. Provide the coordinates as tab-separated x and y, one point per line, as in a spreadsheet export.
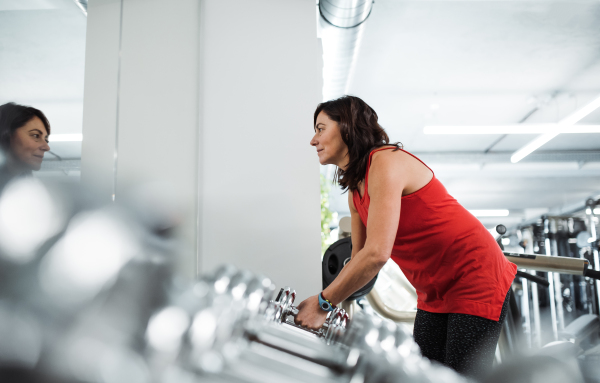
581	113
65	137
541	140
530	147
511	129
490	213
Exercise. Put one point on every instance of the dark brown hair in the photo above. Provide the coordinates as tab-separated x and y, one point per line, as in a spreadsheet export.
13	116
360	132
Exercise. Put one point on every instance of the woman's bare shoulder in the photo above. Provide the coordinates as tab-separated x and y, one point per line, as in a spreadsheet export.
391	157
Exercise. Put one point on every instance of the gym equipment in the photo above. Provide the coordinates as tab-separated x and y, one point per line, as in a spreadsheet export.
564	265
281	310
334	260
593	240
568	246
381	308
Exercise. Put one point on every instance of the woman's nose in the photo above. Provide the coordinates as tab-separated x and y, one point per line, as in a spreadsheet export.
45	147
314	142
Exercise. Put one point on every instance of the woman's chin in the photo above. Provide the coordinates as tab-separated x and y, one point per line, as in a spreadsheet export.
35	166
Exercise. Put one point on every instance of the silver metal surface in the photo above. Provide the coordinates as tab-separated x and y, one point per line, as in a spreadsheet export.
594	237
345	13
560	316
525	311
548	263
551	289
341	25
82	5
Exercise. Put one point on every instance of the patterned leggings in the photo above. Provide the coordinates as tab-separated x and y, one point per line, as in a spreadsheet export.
466	343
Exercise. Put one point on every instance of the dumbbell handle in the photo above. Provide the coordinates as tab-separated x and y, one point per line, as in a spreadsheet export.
293	311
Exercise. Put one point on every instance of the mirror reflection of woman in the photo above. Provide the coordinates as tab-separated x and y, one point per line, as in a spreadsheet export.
24	135
399	209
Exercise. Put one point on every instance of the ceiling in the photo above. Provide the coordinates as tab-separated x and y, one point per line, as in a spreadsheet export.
487	63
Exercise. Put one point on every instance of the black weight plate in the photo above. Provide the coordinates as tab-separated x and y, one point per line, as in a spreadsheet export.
364	290
334	258
333	262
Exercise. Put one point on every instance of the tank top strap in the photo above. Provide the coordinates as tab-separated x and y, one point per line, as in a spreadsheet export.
385	148
419	160
369	166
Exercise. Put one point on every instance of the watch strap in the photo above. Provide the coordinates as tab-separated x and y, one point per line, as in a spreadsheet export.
325	304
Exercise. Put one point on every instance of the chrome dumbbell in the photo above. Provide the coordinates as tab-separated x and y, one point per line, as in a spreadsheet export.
281	310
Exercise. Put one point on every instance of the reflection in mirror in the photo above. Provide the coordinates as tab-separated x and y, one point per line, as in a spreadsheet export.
42	66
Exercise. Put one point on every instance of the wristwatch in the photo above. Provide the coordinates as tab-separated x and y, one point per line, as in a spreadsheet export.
325	304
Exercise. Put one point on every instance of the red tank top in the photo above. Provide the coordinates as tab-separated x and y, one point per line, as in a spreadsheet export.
450	258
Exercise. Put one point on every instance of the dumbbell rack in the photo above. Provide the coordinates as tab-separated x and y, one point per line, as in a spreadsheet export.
281	310
271	348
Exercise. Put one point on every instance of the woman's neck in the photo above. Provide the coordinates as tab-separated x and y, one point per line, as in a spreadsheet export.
15	168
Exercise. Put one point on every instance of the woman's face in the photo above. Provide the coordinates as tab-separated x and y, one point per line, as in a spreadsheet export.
28	144
331	149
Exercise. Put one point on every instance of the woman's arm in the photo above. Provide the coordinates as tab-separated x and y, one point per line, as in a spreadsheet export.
359	232
387	180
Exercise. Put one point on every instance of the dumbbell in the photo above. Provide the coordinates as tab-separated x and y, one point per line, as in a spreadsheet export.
281	309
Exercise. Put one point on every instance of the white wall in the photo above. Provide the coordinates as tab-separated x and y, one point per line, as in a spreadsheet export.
213	98
261	84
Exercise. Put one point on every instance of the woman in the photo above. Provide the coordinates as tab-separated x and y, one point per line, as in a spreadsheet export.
399	209
24	135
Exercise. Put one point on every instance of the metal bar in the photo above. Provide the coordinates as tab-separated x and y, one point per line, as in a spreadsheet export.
563	265
594	237
560	315
525	310
551	280
537	324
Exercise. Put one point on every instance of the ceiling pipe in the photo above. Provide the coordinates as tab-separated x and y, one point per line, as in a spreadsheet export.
82	4
341	24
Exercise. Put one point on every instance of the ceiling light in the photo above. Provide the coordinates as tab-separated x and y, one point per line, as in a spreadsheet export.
530	147
541	140
511	129
490	213
65	137
581	113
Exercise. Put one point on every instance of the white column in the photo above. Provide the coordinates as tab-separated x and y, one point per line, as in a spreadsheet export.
100	96
141	104
261	84
213	98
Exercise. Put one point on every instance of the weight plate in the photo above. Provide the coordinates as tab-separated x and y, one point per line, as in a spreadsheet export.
334	260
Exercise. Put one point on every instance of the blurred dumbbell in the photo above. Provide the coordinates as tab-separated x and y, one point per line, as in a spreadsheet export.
203	327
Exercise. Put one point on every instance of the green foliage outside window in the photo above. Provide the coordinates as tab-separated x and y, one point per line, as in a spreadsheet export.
326	215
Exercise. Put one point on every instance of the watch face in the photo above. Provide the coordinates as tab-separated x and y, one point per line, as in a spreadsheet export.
324	306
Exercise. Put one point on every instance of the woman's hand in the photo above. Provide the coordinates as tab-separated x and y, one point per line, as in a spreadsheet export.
310	314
